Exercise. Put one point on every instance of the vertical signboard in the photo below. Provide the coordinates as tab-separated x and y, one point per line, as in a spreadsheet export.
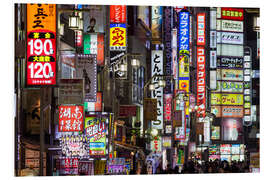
156	144
94	106
118	14
70	118
168	107
183	31
201	29
149	111
86	68
118	37
201	82
167	28
156	25
157	69
174	54
41	44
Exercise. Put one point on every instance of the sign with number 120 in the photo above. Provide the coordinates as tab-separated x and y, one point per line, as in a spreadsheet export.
41	44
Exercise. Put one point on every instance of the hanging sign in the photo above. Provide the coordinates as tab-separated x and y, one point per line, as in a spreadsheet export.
118	37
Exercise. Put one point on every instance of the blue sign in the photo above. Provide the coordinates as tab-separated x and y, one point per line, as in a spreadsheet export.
184	31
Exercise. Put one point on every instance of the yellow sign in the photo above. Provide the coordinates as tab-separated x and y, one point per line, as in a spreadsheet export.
117	36
184	85
226	99
41	16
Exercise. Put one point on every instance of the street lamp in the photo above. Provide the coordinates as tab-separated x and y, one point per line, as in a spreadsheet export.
73	21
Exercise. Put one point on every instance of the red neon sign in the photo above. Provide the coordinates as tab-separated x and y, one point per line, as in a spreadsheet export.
232	14
201	29
201	81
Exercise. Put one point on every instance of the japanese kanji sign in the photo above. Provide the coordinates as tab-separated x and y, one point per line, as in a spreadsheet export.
74	146
184	31
70	118
118	13
157	69
117	37
96	130
226	99
201	29
201	84
41	44
232	14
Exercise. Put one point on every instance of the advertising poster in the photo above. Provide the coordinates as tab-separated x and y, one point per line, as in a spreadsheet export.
86	68
156	25
213	59
228	111
157	69
183	31
94	106
96	130
201	84
229	86
74	146
118	37
70	118
201	29
230	75
226	99
232	14
118	14
93	20
144	15
231	128
94	44
215	132
41	44
230	62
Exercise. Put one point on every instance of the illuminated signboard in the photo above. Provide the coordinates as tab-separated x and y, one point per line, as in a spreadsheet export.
225	149
230	74
201	81
70	118
174	54
168	107
230	38
94	106
228	111
213	59
179	133
229	86
226	99
156	144
156	25
183	31
201	29
118	14
232	26
230	62
184	73
118	37
41	44
232	14
74	146
157	69
215	132
94	44
93	19
230	50
96	130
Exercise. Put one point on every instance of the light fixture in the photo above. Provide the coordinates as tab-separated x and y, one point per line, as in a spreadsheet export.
196	107
161	83
151	87
135	62
256	23
178	101
62	29
123	67
73	21
154	132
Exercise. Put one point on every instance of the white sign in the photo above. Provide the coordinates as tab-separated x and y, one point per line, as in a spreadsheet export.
230	38
228	25
213	39
213	59
230	50
213	79
157	69
213	19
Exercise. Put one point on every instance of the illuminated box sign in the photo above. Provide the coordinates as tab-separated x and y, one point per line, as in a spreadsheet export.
179	133
228	111
117	37
41	44
230	74
118	14
184	73
157	69
94	106
94	44
232	26
70	118
96	130
213	39
230	38
232	14
201	29
166	141
215	132
229	86
168	107
184	31
74	146
201	81
213	59
78	38
67	163
174	54
226	99
230	50
93	19
230	62
156	144
156	25
225	149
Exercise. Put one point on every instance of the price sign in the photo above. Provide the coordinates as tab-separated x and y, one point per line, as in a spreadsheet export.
41	44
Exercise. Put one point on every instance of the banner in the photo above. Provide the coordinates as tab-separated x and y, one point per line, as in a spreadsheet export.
118	37
96	129
226	99
201	29
229	86
41	44
183	31
228	111
86	68
232	14
230	62
70	118
93	20
157	69
94	44
118	14
201	84
230	74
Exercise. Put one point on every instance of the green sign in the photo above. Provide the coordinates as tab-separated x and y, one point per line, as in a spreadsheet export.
90	44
